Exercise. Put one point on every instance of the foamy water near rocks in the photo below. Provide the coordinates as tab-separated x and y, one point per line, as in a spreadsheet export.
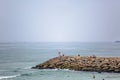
82	63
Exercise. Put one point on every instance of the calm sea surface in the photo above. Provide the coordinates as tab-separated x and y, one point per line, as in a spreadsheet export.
16	60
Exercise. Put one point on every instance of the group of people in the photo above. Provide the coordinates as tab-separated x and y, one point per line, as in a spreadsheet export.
59	53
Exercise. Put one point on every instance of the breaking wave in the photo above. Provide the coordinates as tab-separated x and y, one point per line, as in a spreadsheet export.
6	77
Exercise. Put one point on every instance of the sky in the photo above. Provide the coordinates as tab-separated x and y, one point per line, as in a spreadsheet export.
59	20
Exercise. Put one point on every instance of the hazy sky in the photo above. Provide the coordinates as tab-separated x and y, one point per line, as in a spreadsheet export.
59	20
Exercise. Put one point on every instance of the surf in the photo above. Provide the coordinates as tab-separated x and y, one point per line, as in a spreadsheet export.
6	77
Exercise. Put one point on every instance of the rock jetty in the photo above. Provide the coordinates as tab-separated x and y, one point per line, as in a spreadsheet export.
82	63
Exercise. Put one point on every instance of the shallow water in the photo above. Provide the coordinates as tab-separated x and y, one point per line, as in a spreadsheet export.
16	60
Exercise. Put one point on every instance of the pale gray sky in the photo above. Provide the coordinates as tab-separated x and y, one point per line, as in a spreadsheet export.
59	20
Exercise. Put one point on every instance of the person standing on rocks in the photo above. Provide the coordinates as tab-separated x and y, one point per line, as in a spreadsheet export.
78	54
59	53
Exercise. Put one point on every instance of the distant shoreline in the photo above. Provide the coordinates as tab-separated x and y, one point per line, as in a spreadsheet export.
117	41
82	63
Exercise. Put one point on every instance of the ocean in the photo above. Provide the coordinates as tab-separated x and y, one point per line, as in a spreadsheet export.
16	60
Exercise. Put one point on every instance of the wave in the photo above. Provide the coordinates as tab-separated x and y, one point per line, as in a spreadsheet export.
55	69
26	74
28	67
6	77
13	76
19	69
117	76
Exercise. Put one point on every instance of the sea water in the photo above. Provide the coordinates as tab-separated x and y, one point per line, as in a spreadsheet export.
16	60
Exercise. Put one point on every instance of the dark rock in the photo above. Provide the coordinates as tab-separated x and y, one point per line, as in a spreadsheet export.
79	63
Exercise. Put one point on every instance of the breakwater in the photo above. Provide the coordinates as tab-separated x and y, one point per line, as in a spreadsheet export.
82	63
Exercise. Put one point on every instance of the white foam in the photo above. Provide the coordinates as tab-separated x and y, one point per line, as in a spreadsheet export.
28	67
63	69
6	77
49	69
60	69
66	69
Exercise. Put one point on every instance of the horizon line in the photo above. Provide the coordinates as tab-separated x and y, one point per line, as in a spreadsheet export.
59	42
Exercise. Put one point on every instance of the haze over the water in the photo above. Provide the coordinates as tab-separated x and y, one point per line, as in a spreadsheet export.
59	20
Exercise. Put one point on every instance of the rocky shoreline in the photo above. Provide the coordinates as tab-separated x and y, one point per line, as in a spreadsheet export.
82	63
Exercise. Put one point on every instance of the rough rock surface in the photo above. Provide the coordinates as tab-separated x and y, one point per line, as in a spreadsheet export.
82	63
